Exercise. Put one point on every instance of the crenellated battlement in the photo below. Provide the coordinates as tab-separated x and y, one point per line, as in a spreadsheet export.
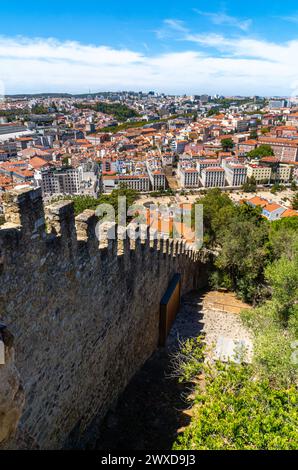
83	302
31	224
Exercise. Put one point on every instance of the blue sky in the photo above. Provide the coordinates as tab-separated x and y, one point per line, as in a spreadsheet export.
226	47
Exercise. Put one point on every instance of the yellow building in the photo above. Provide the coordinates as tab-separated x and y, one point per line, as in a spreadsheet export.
259	172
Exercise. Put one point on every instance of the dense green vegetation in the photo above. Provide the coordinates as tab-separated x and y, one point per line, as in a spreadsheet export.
237	412
39	109
213	112
295	202
14	114
261	151
82	203
250	186
121	112
124	126
240	406
242	241
277	187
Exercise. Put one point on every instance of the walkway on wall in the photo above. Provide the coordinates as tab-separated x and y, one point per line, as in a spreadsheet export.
151	411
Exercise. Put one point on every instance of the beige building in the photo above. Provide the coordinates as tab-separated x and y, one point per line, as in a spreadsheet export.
260	173
283	174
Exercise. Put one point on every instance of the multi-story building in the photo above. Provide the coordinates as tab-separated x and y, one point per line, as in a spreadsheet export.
179	145
280	172
213	177
246	146
236	173
295	173
283	173
4	155
261	173
207	163
285	149
137	182
156	175
189	177
158	180
12	131
277	104
293	119
68	180
59	181
167	159
242	125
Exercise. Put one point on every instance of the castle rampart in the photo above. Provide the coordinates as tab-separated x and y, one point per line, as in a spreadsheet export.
85	315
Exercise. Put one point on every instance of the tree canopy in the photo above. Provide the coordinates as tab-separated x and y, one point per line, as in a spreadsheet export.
239	236
261	151
121	112
248	406
227	144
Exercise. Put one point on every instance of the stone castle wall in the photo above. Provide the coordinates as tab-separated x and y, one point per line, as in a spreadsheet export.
11	391
85	317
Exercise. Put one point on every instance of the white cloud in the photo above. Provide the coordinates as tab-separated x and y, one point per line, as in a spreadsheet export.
170	27
221	18
237	66
178	25
291	18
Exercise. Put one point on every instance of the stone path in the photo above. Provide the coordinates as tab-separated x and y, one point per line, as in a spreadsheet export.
213	314
151	410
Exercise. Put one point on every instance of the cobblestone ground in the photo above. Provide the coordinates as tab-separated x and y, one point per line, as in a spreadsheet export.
151	411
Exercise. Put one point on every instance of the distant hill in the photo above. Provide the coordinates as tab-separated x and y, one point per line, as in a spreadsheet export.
59	95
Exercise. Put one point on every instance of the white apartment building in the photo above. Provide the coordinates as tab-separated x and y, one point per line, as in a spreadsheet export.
137	182
236	174
59	181
156	175
189	177
158	180
213	177
68	180
207	163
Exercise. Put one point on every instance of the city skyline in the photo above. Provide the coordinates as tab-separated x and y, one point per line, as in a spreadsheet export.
226	49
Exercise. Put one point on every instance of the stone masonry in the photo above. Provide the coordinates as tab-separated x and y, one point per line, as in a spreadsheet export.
12	396
85	316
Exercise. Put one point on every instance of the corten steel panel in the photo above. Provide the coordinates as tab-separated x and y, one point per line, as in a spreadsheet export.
169	307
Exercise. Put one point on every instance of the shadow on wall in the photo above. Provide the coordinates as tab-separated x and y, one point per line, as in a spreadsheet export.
152	410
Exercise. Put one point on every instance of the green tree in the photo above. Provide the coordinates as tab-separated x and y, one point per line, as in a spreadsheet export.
39	109
82	203
275	323
283	237
265	130
295	202
237	412
217	210
242	256
213	112
253	134
121	112
227	144
250	186
261	151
